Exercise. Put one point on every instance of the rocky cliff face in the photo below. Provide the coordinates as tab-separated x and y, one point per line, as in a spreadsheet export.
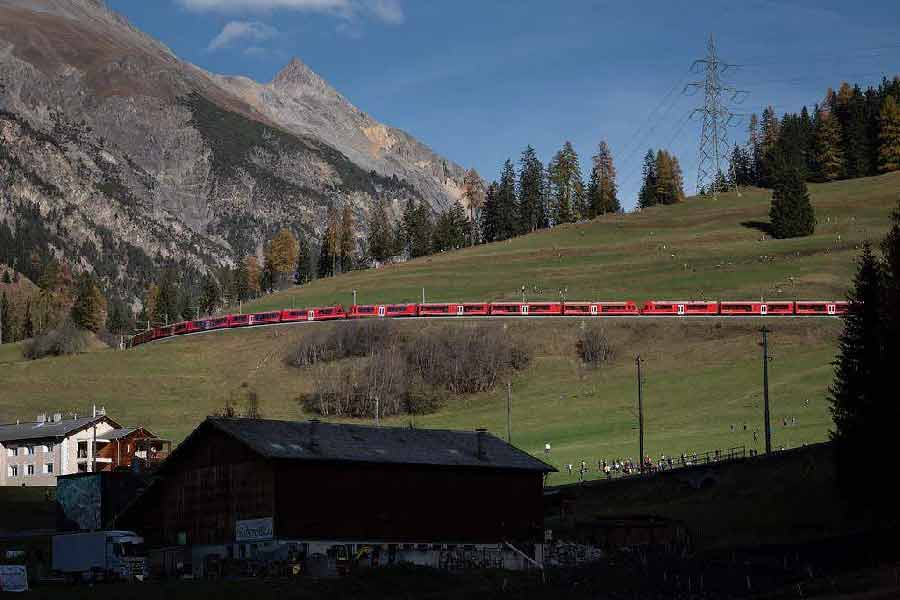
117	157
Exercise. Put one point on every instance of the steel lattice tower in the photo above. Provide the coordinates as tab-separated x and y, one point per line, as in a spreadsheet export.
716	116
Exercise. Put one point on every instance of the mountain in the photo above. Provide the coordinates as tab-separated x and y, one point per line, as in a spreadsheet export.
117	157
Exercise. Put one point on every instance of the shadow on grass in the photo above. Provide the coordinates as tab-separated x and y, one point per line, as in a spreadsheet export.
763	226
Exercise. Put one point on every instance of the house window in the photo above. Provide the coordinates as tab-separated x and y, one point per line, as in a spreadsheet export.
49	447
82	449
12	451
13	470
29	450
48	469
82	467
30	470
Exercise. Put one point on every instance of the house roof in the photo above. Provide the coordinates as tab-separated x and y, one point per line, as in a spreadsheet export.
119	433
49	429
316	441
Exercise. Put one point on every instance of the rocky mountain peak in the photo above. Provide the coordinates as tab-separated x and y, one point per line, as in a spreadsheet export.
297	76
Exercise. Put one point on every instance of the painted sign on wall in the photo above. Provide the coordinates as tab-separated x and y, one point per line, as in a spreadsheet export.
254	530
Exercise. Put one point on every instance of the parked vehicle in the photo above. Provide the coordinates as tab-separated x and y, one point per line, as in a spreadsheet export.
99	555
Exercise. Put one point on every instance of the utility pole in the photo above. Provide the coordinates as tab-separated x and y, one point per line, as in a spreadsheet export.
376	411
716	117
354	297
509	412
768	426
638	361
423	295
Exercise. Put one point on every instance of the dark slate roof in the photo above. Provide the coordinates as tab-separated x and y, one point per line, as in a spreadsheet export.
116	434
49	429
362	443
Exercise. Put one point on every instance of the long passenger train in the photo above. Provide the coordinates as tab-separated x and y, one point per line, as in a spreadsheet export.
824	308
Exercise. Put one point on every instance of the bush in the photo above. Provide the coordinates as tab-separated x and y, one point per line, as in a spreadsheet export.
66	339
414	374
593	346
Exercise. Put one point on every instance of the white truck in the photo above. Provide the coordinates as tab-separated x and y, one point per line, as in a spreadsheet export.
99	555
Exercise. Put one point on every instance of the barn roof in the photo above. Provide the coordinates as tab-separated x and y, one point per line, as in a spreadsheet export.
316	441
49	429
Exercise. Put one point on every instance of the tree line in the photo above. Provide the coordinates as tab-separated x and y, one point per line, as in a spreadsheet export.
853	133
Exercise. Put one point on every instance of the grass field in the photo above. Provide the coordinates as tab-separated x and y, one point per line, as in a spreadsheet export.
701	377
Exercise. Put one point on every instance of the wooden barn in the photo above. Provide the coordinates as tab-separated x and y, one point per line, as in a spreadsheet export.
238	488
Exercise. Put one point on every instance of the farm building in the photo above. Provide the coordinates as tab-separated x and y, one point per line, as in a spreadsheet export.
240	488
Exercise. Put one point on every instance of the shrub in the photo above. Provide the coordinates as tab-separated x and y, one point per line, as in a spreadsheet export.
414	374
593	346
66	339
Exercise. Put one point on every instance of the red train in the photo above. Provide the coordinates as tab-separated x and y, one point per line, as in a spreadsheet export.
673	308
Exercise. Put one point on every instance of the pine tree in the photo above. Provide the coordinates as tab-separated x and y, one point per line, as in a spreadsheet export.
507	203
241	282
28	323
567	186
532	213
791	213
770	129
450	229
489	217
647	195
89	310
754	149
167	297
325	268
282	254
331	239
473	197
254	274
210	296
890	248
5	320
602	190
348	239
669	179
856	136
381	236
889	136
829	150
863	403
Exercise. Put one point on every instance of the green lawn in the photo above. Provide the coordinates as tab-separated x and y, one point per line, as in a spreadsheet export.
701	377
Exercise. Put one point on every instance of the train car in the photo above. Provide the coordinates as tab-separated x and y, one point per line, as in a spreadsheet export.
202	324
240	320
751	308
818	307
295	314
383	310
265	318
600	308
162	332
455	309
327	313
841	307
219	322
183	328
680	308
527	308
142	338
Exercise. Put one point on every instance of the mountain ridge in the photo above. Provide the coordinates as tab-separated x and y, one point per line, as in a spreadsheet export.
118	146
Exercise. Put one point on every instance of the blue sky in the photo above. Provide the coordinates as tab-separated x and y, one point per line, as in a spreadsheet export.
479	80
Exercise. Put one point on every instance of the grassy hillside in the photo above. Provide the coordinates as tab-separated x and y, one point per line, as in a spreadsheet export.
701	376
700	249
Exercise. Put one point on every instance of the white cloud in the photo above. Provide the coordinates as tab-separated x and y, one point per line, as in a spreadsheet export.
386	11
242	31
